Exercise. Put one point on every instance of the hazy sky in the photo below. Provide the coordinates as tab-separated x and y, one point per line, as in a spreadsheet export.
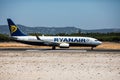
85	14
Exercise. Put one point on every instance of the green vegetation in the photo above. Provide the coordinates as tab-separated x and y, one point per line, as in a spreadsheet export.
113	37
4	38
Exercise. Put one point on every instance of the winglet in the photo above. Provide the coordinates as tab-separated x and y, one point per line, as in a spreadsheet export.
37	37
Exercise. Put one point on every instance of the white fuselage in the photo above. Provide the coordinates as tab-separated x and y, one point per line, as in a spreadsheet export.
60	39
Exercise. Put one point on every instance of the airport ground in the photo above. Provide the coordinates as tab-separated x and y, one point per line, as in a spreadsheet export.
104	45
24	62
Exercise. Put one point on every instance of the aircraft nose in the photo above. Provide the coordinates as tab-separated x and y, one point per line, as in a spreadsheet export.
99	42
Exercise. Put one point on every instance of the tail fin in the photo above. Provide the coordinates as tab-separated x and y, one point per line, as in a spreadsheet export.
14	30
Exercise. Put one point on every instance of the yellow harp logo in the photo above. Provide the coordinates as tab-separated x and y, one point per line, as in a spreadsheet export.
13	28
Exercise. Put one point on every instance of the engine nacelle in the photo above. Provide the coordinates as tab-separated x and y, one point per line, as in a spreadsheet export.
64	45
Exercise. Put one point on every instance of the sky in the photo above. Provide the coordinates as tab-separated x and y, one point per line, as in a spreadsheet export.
84	14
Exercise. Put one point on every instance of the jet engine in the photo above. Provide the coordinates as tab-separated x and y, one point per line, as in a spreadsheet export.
64	45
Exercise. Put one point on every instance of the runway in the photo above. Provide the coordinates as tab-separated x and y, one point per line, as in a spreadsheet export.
59	50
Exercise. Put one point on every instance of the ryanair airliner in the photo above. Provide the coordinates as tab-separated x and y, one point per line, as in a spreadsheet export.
53	41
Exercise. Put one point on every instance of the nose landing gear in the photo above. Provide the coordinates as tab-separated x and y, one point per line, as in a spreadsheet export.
92	48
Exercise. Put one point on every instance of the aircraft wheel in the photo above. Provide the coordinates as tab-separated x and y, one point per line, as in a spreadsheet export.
92	48
53	47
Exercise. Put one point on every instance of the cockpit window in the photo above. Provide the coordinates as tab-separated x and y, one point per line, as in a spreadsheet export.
96	40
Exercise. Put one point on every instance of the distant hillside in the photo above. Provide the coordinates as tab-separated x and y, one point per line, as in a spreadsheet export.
101	30
54	30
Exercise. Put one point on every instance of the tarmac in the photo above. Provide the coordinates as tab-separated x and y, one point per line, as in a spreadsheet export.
59	50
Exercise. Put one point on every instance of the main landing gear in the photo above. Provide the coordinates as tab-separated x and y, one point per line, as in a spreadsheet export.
92	48
53	47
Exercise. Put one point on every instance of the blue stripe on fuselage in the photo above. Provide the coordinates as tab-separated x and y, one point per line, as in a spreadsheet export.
69	40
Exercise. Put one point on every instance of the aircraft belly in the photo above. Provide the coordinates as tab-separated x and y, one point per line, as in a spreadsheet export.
80	44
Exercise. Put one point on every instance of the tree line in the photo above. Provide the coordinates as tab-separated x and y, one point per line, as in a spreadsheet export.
112	37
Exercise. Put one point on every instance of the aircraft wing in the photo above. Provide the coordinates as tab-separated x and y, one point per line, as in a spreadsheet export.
61	44
47	42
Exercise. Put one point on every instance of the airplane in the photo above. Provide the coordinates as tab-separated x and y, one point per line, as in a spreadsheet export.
53	41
